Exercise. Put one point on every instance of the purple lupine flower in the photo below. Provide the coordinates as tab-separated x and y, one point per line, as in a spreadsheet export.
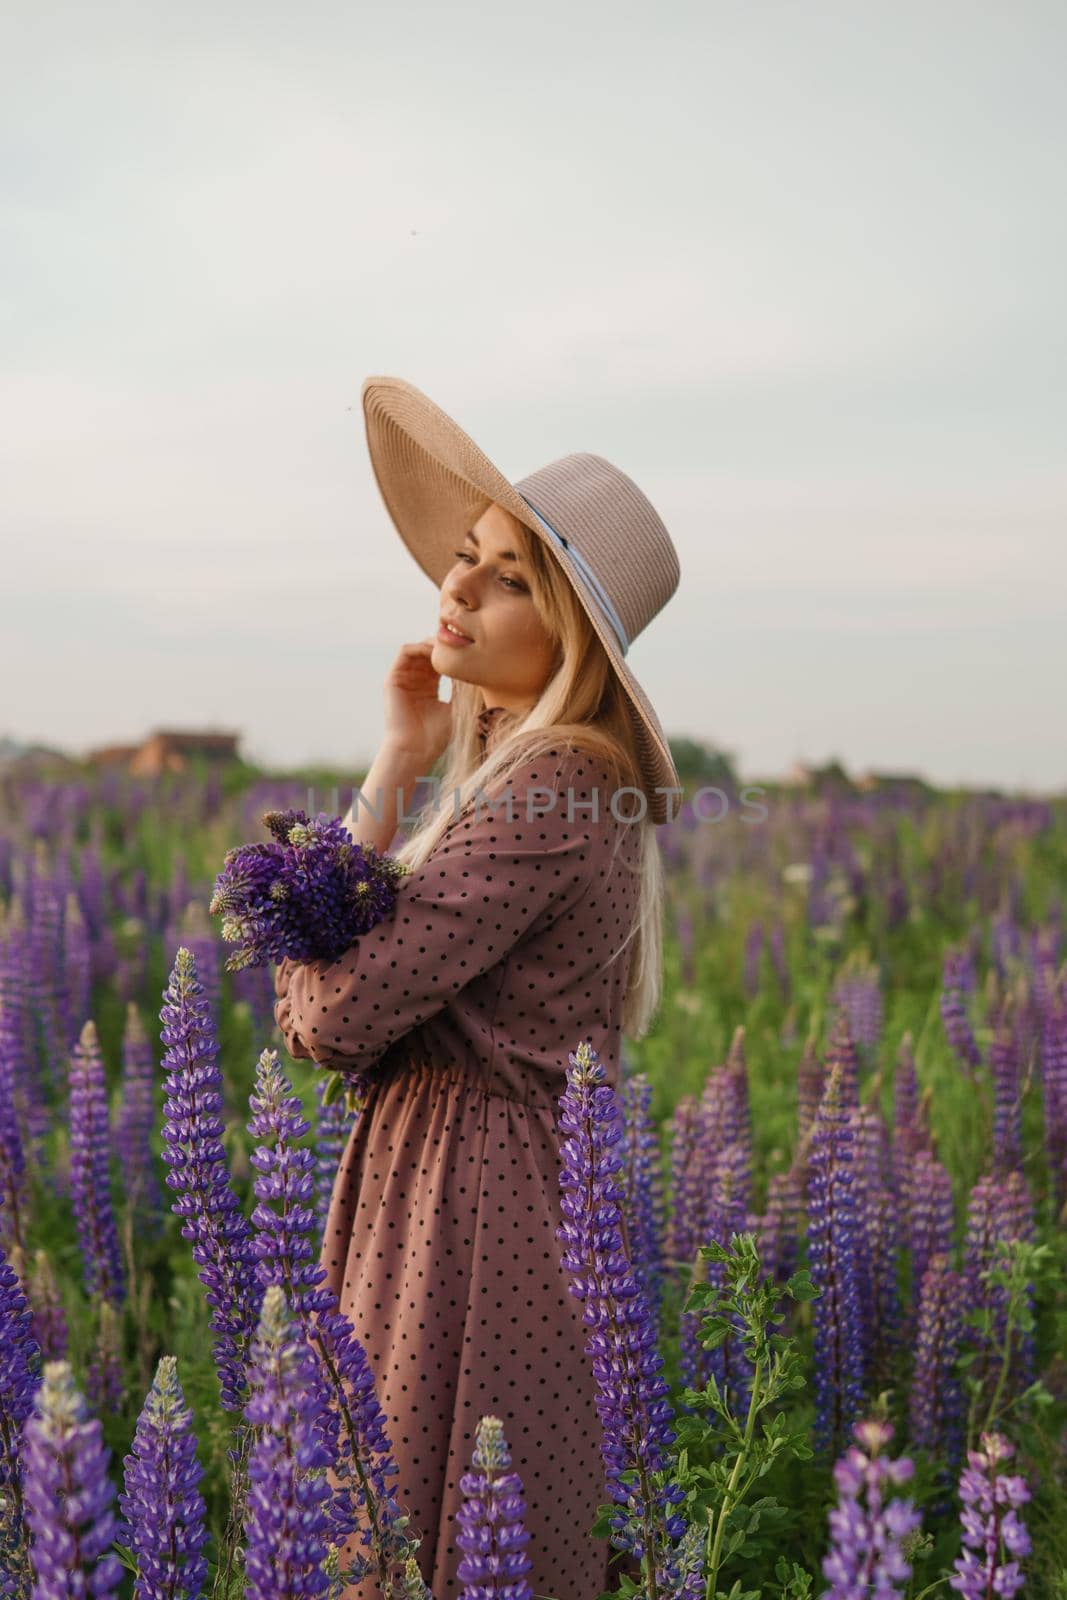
811	1082
18	1033
1054	1096
999	1212
90	1186
930	1216
192	1148
726	1216
910	1130
994	1536
859	994
954	984
877	1260
77	962
105	1381
491	1527
1006	941
287	1520
14	1186
333	1126
631	1400
726	1118
45	972
163	1509
936	1404
778	1228
20	1363
687	1196
753	958
867	1531
642	1206
841	1053
137	1121
349	1422
68	1493
1004	1069
833	1230
49	1317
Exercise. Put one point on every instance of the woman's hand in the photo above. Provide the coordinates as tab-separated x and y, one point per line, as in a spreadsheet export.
417	722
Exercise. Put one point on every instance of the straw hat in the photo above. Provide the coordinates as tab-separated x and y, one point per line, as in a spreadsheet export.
595	521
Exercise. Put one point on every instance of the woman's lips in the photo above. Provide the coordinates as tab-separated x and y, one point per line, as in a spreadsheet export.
446	637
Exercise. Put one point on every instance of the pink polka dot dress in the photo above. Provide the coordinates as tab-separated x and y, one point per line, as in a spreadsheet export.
460	1009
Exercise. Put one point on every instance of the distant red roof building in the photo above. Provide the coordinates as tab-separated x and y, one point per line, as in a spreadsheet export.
166	751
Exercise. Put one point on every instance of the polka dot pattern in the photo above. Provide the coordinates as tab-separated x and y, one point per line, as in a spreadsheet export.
461	1009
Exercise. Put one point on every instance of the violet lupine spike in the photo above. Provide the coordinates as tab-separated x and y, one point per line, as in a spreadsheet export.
879	1299
811	1082
18	1035
351	1424
725	1216
753	958
631	1399
867	1530
164	1515
90	1186
833	1241
841	1053
936	1402
137	1121
45	972
20	1375
492	1533
642	1212
14	1182
909	1133
858	992
686	1194
334	1123
287	1521
193	1149
999	1212
77	961
1007	1096
68	1493
778	1229
49	1317
995	1538
1054	1097
954	1012
931	1216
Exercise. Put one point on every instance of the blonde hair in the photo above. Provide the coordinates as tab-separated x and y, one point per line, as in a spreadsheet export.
581	705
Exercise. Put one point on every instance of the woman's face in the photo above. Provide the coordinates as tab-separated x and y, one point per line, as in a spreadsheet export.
488	596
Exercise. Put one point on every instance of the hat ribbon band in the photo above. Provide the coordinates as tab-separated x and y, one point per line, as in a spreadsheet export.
590	578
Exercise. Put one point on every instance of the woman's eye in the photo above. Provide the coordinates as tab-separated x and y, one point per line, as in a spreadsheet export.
465	555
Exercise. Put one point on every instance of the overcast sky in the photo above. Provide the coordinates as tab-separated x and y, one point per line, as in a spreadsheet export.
798	269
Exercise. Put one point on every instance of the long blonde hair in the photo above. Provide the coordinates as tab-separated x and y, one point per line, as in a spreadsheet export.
583	705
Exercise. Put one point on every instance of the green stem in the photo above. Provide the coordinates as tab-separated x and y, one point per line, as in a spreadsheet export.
715	1553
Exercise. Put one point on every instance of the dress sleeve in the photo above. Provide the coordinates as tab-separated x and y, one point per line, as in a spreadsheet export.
459	914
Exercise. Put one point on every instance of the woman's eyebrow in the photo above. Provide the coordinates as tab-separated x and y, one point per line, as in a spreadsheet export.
505	555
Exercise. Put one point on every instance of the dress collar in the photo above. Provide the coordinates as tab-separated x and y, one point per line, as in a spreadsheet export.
489	718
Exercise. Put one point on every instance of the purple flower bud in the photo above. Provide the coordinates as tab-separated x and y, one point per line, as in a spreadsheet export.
992	1527
192	1135
68	1493
89	1177
287	1520
162	1506
490	1519
866	1530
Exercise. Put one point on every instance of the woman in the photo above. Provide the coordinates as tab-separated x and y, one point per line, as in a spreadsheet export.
531	921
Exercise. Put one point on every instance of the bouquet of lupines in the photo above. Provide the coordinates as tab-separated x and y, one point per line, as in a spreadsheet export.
307	895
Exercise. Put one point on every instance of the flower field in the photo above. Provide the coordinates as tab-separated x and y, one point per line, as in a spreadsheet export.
817	1234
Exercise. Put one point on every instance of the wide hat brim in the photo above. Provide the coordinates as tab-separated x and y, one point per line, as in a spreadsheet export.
435	482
